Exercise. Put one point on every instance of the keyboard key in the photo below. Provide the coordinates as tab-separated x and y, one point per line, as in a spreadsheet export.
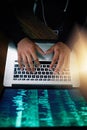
42	73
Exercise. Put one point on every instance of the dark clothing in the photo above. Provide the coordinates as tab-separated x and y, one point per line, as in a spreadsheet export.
55	16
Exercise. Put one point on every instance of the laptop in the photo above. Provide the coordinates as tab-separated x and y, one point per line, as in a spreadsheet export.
43	77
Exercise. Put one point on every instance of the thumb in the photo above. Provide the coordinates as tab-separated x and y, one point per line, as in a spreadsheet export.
39	50
49	51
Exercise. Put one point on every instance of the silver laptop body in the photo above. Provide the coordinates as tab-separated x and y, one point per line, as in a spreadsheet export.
43	78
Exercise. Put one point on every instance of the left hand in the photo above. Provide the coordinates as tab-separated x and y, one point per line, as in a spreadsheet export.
61	57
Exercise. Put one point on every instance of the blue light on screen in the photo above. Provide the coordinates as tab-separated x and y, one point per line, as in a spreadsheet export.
42	108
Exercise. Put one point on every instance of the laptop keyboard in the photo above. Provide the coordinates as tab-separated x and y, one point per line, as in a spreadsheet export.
42	73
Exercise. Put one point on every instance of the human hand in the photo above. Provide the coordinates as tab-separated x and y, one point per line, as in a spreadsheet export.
61	56
27	53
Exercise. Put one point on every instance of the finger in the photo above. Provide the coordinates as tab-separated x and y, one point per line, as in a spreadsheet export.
55	59
59	64
35	58
39	50
67	62
37	63
30	62
20	61
49	50
25	62
65	65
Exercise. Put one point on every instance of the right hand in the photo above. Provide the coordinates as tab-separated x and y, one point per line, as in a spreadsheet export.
27	53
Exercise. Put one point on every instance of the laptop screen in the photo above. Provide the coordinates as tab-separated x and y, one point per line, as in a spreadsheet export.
42	108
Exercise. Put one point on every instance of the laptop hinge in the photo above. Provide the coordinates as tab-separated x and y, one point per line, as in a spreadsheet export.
43	86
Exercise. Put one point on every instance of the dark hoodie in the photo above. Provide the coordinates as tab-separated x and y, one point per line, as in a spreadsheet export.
54	14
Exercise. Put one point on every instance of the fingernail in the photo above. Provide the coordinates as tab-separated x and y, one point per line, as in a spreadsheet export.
32	70
55	72
50	67
21	68
60	72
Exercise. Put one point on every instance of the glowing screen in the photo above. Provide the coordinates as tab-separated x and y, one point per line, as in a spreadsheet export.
42	107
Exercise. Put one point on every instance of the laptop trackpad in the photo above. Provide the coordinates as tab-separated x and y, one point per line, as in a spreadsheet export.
47	57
